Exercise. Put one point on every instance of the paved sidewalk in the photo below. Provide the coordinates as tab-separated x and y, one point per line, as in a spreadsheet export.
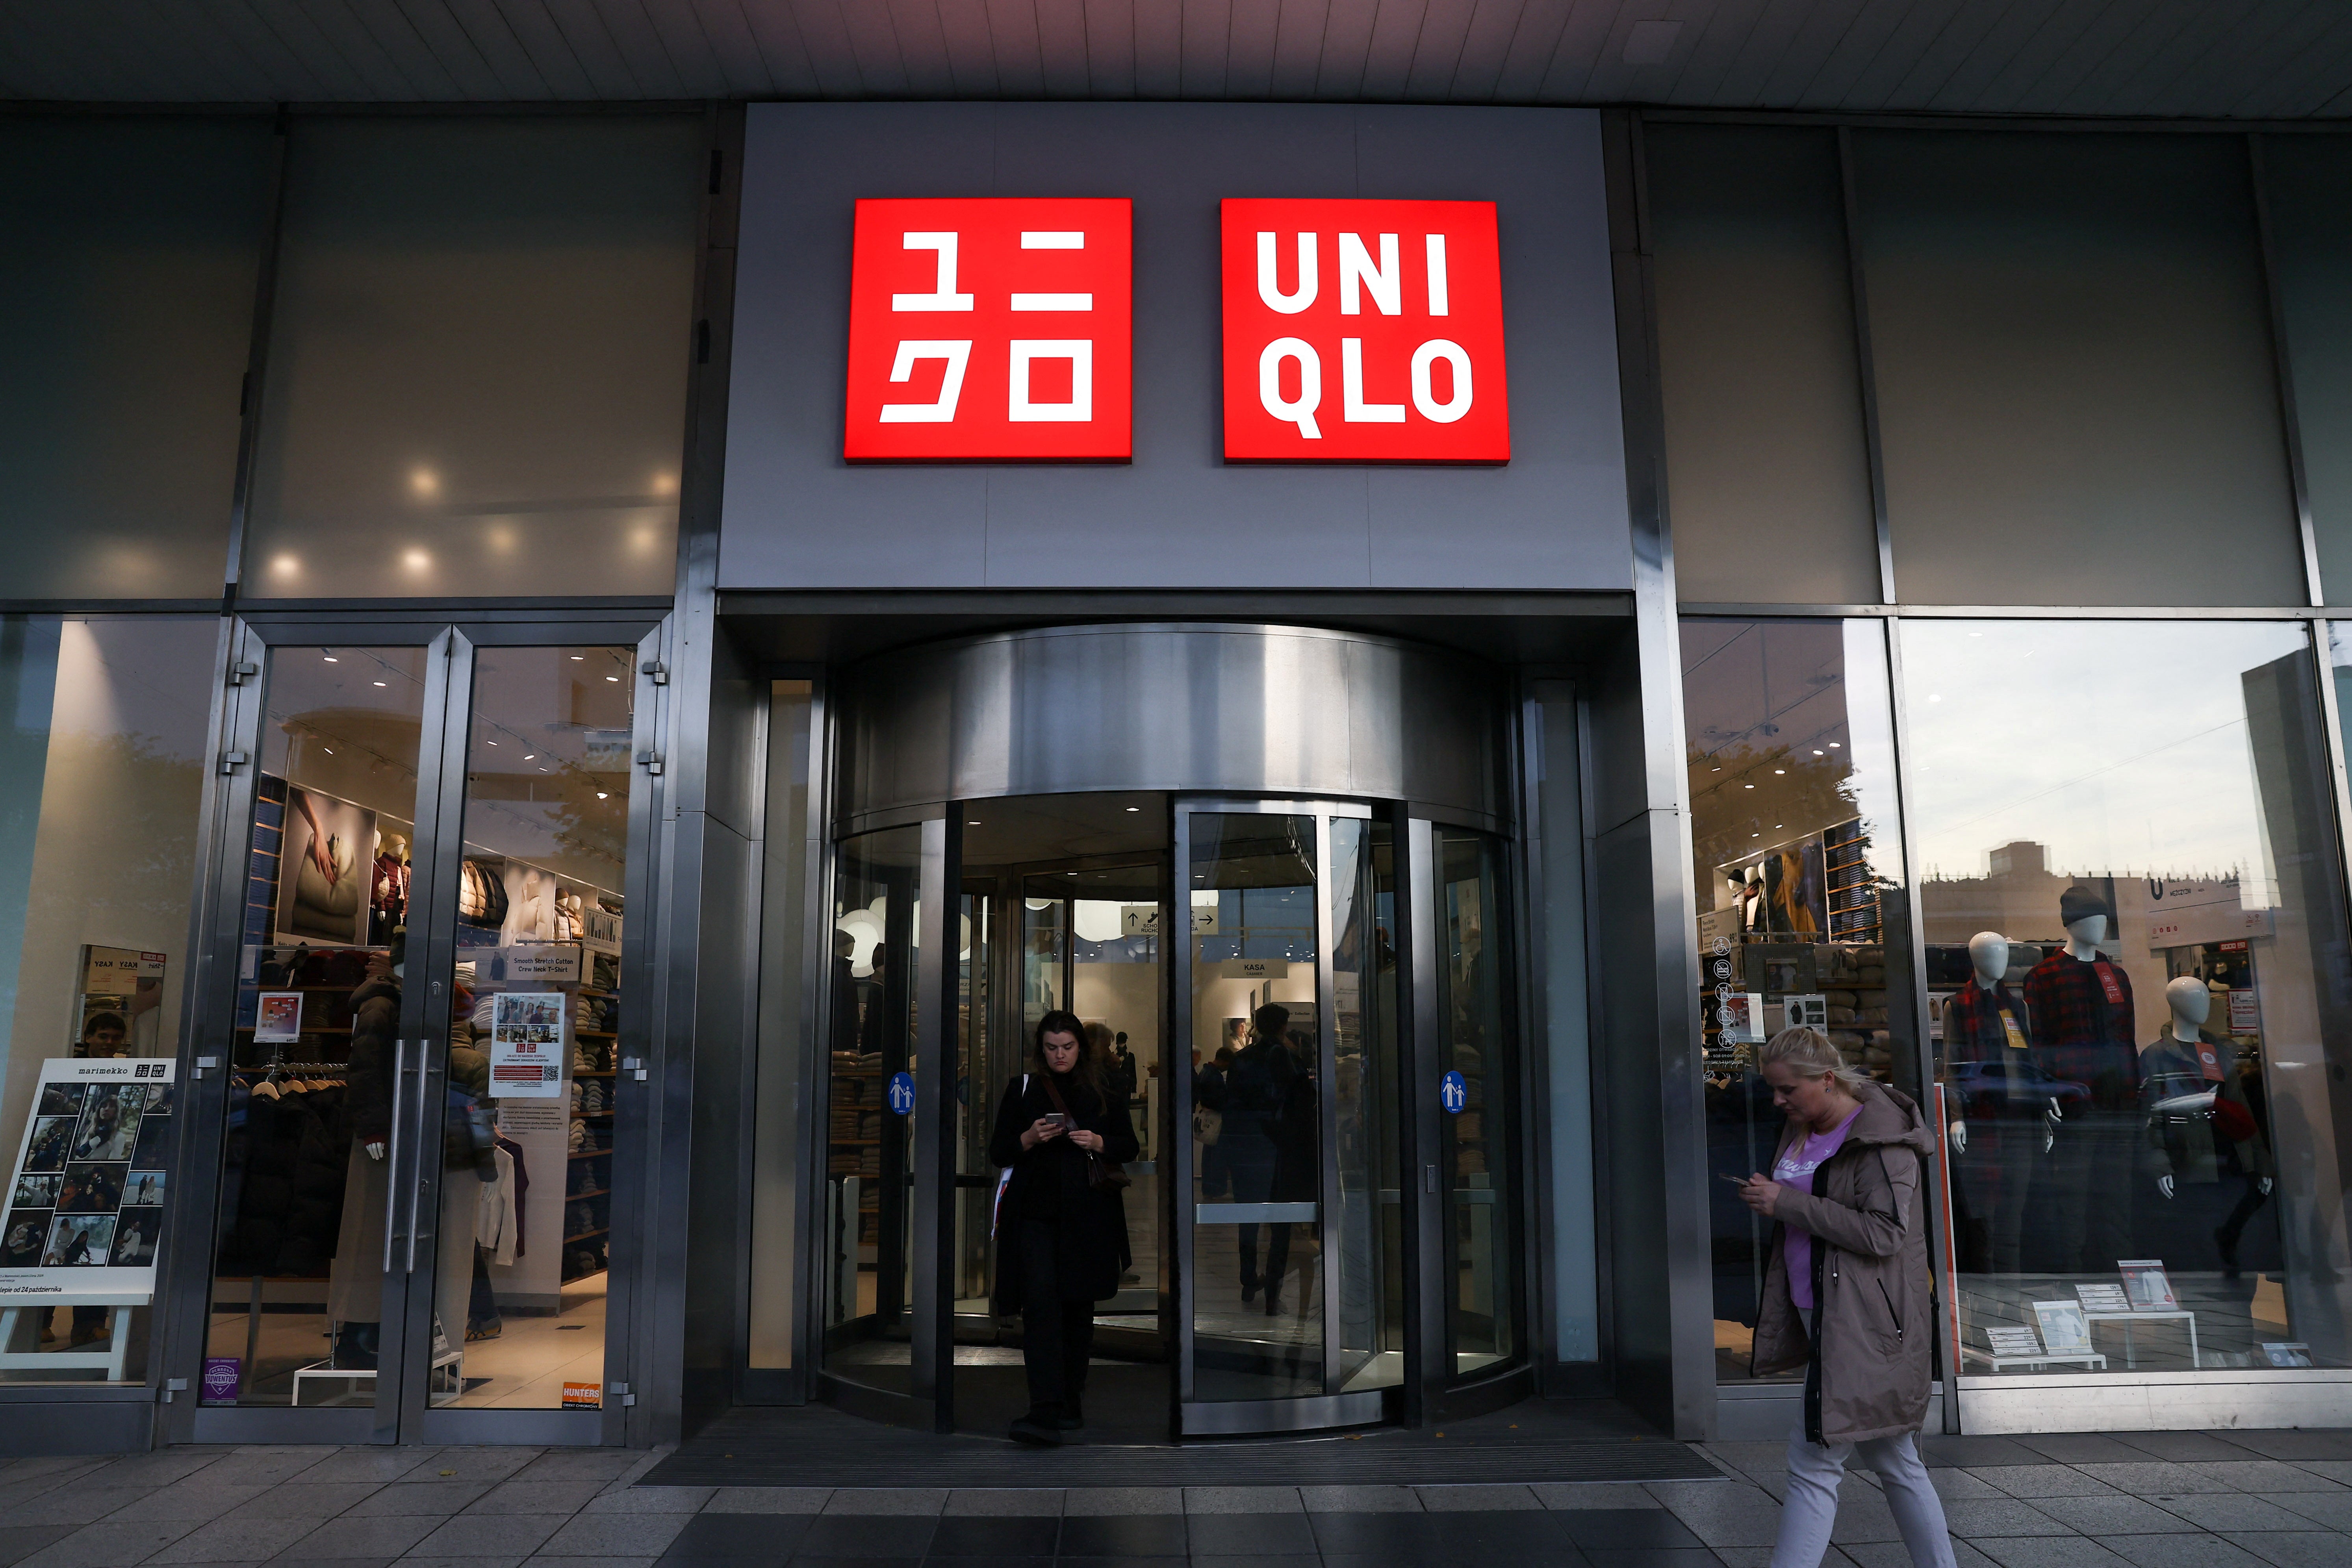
2152	1500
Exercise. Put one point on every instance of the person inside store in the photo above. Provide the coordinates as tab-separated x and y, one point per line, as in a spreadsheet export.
1259	1084
1061	1228
1846	1292
106	1034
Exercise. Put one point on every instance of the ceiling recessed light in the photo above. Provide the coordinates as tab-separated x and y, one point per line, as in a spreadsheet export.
1747	786
1135	808
531	756
972	823
1779	771
601	796
613	678
327	749
577	658
333	660
489	743
379	682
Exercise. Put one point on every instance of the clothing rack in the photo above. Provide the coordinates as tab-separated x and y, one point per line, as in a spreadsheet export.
303	1066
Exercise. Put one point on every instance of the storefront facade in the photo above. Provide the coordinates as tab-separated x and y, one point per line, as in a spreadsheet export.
731	615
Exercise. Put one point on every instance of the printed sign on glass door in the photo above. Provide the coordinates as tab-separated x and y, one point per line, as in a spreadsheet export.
990	330
1364	331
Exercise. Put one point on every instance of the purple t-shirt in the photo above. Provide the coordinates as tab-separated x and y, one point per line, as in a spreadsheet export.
1795	1169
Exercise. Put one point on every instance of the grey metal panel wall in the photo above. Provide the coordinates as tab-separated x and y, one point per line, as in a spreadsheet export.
1178	516
1201	707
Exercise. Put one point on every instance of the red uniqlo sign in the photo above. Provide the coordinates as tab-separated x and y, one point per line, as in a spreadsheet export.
1364	332
990	330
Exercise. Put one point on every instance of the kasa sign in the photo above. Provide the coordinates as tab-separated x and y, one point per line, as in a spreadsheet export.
1001	330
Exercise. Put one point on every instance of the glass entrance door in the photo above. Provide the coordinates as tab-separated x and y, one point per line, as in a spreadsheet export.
418	1064
1288	1217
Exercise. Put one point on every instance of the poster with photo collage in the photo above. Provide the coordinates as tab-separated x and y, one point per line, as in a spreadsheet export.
86	1200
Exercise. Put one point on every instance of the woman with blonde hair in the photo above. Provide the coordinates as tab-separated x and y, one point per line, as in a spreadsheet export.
1846	1292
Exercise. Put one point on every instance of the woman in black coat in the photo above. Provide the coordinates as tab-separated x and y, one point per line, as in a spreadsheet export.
1061	1241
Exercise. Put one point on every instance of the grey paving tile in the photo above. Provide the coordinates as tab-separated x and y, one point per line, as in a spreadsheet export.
579	1465
1026	1502
1862	1516
2114	1515
2297	1445
368	1463
2185	1447
2049	1551
109	1543
1973	1453
2187	1551
918	1501
1242	1500
2154	1477
544	1561
1955	1485
565	1498
2236	1512
1104	1502
2331	1508
1890	1554
38	1485
1723	1516
265	1467
2295	1549
1359	1500
488	1535
2337	1470
2082	1448
1249	1534
472	1464
2044	1481
646	1461
323	1501
617	1535
80	1503
2265	1475
768	1500
18	1541
27	1467
1973	1519
195	1499
1477	1498
384	1535
233	1539
159	1469
488	1560
426	1499
651	1500
1567	1495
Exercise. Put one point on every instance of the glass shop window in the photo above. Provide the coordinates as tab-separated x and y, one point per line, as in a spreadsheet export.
2133	927
101	777
1798	858
478	359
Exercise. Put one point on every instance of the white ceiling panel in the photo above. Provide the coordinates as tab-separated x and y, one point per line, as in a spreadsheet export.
2256	58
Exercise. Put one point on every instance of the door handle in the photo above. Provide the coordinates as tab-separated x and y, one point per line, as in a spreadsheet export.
416	1193
392	1168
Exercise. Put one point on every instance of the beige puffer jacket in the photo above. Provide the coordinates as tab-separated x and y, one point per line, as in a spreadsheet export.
1868	1374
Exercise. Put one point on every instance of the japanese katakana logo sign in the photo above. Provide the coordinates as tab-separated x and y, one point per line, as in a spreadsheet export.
1364	331
989	329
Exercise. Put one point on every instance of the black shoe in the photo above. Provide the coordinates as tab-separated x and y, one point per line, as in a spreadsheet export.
1044	1432
1249	1291
1273	1305
1071	1418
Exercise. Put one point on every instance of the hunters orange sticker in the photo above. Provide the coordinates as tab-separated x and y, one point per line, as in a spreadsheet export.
583	1396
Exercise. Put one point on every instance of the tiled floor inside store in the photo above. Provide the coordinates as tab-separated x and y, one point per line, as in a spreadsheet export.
2185	1499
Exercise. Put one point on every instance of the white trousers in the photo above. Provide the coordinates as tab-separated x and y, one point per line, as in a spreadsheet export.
1810	1508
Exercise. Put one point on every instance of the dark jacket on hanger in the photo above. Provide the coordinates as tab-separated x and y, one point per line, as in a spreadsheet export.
1049	1184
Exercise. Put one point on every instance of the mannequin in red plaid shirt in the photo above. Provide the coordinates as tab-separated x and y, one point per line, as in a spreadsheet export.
2001	1129
2083	1032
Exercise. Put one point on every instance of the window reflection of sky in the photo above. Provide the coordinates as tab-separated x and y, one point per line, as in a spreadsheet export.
2122	747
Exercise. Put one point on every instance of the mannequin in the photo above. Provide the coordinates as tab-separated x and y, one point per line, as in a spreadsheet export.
1985	1023
355	1278
2192	1152
2081	1003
